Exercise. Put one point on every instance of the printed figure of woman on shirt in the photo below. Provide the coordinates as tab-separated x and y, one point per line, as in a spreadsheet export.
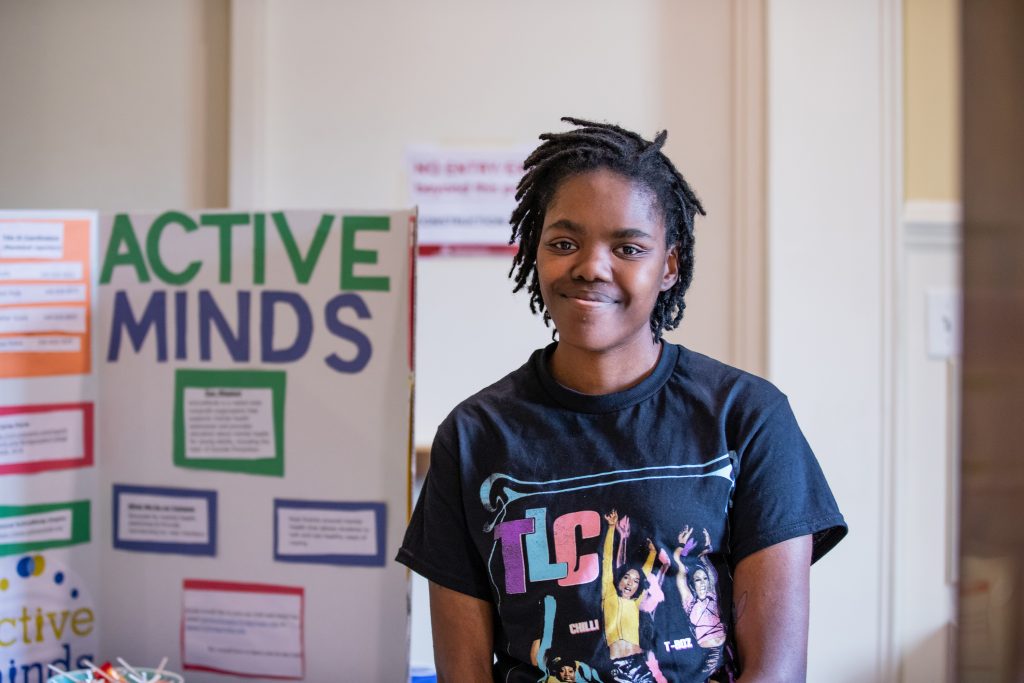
561	670
621	596
698	590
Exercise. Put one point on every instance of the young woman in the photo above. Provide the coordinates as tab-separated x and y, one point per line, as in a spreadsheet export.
509	526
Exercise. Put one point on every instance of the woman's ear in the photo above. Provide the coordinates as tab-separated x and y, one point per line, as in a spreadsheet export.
671	269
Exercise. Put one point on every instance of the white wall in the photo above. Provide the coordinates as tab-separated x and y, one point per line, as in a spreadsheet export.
113	104
849	277
926	480
833	124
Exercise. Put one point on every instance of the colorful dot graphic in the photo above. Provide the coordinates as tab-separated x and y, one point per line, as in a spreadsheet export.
35	565
31	565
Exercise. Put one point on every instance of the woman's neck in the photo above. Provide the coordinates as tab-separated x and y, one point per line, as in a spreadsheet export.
604	372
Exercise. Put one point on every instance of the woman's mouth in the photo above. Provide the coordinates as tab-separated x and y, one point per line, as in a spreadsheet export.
589	298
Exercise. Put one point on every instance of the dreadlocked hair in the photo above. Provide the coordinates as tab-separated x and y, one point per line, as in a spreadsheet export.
589	147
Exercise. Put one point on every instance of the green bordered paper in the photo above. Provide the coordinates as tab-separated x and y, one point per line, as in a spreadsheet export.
26	528
230	420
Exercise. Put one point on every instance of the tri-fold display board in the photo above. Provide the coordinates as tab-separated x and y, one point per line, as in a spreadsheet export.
205	432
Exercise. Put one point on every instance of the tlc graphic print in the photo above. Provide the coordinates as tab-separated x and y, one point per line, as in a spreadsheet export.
618	583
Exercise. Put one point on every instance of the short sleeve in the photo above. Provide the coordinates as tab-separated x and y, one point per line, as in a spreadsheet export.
781	492
437	543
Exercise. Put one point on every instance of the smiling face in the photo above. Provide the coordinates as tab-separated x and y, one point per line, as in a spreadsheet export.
629	583
567	674
700	583
602	261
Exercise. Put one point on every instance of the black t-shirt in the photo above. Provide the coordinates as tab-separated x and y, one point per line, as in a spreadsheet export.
604	529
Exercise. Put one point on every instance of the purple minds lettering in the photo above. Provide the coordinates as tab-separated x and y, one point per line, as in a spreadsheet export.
569	568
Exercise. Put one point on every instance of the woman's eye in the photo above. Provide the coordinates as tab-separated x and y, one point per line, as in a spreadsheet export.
562	245
630	250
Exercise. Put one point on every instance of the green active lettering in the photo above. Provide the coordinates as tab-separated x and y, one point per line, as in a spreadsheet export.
302	267
122	236
350	256
156	262
224	222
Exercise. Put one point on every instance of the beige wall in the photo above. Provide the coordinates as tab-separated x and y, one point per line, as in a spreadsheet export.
113	104
931	100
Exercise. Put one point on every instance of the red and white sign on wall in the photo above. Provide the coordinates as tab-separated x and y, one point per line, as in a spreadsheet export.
465	196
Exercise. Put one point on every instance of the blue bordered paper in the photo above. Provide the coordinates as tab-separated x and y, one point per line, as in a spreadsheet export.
360	527
167	503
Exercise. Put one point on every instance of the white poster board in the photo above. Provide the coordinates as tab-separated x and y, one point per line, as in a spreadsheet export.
205	442
49	555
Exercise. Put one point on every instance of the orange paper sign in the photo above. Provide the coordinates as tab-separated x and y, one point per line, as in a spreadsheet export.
45	295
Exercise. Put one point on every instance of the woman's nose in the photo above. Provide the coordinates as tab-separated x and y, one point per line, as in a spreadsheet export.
592	264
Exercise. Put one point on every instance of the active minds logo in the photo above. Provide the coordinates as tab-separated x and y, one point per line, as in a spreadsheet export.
45	618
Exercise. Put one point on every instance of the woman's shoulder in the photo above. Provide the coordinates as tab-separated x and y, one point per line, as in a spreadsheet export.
725	387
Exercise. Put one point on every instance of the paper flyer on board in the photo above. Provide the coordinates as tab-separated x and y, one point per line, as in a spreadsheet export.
464	195
159	519
45	437
329	532
45	294
248	630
